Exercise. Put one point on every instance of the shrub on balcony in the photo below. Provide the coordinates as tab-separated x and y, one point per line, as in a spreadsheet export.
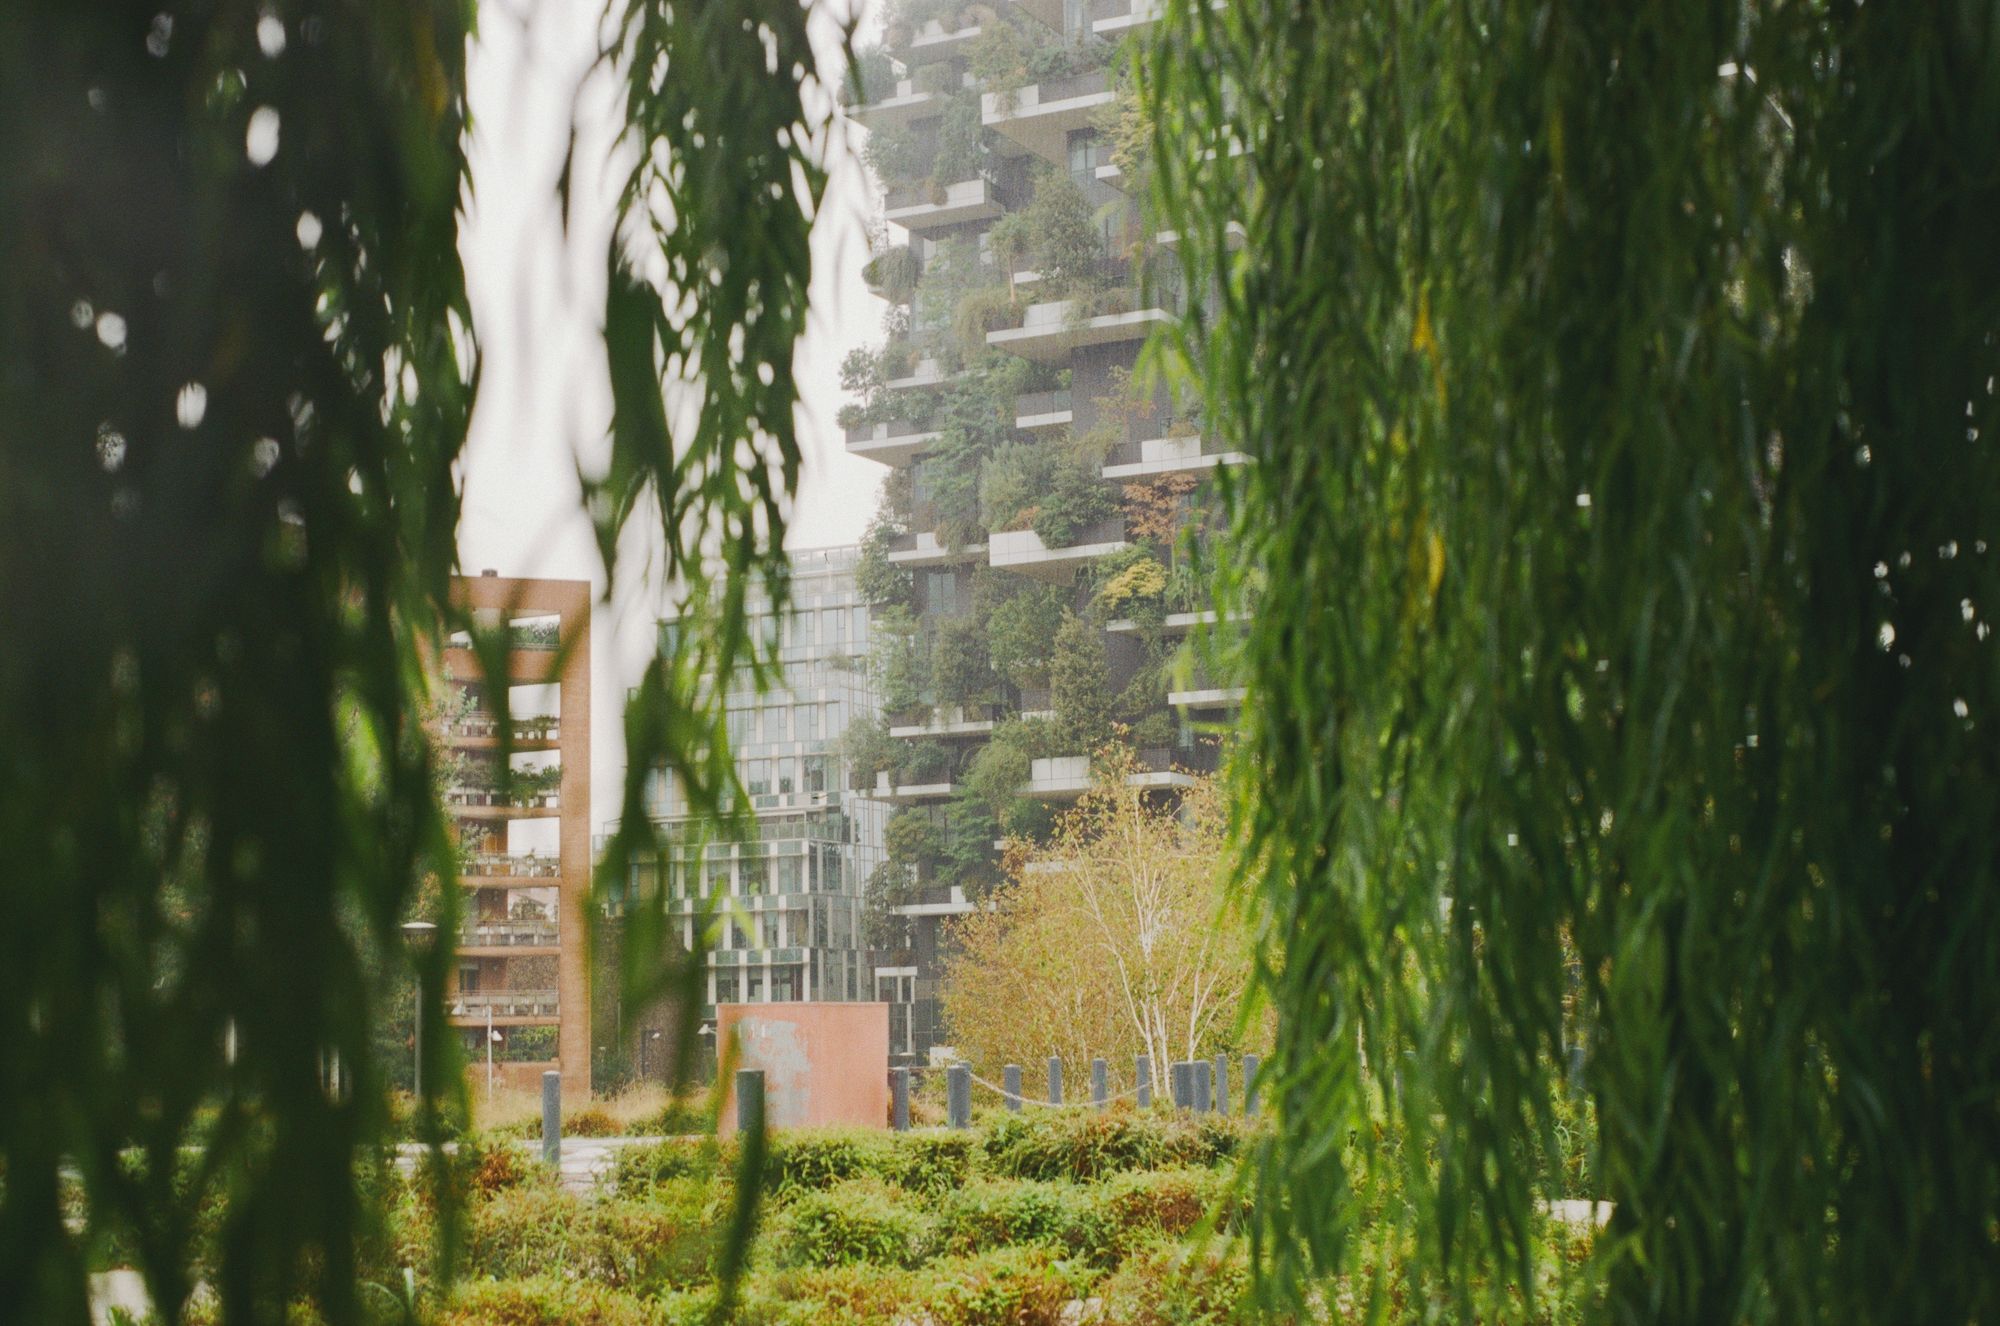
912	837
986	309
880	582
1080	685
1015	479
894	273
1020	635
897	662
1076	500
871	77
1131	583
961	672
1062	238
924	762
961	137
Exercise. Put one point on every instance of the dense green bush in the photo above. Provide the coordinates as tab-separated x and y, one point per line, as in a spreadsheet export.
547	1300
1014	1212
614	1241
858	1221
639	1169
810	1160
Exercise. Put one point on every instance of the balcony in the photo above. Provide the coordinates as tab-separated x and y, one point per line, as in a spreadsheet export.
481	727
945	721
1172	766
926	373
923	549
904	106
1175	623
1168	455
1112	19
1041	116
511	865
1022	550
1058	776
1037	702
1050	331
509	935
486	800
922	209
936	43
893	442
911	794
1043	409
1205	698
526	1005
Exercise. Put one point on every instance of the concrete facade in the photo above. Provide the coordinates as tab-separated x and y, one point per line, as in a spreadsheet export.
823	1064
522	972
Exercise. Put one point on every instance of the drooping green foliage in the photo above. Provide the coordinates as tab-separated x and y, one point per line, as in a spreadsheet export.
240	363
1619	387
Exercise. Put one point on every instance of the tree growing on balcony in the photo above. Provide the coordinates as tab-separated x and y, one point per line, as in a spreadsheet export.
1080	685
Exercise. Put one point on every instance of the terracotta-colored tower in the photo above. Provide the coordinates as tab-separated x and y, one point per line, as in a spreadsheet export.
521	983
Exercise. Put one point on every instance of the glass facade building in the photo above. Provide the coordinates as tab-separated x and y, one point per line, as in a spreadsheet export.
784	905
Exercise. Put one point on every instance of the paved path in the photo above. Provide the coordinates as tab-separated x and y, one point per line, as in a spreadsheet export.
586	1163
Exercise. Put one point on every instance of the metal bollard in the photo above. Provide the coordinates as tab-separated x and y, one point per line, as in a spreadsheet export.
899	1099
958	1095
749	1100
1010	1081
1203	1085
1222	1084
1100	1083
1055	1081
1250	1086
1143	1081
552	1118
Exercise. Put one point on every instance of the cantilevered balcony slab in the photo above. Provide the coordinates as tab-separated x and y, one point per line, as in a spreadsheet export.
1052	330
1207	699
1058	776
1023	550
904	106
924	549
910	794
1112	19
967	200
926	373
1039	117
506	1007
1035	410
936	43
947	721
1166	455
1175	623
895	443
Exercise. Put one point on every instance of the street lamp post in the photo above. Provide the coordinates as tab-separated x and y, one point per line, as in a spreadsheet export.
419	934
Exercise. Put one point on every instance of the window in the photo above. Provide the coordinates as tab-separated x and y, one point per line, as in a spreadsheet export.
836	626
805	628
816	775
1085	156
787	776
775	725
808	722
757	777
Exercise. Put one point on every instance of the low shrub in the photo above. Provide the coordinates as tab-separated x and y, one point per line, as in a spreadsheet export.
931	1164
1007	1287
639	1169
1080	1145
591	1122
1165	1285
860	1221
617	1242
812	1160
996	1213
547	1300
677	1118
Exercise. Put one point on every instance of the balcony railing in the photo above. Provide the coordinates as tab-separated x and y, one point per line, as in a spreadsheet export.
513	865
1202	757
1031	403
509	934
486	796
479	724
1134	452
892	428
1075	85
504	1004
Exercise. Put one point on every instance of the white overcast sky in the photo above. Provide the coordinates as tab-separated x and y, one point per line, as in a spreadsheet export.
537	301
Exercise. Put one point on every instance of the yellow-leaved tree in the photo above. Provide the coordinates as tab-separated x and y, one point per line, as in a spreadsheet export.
1111	940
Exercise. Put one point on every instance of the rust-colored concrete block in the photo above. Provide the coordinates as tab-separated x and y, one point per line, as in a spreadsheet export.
823	1063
